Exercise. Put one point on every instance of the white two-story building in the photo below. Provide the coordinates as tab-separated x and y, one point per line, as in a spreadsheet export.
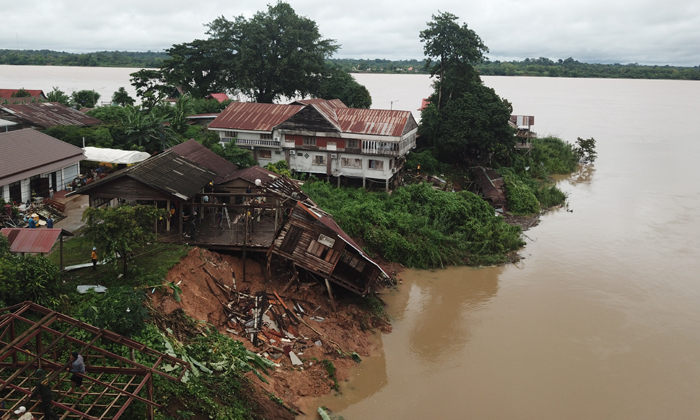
323	137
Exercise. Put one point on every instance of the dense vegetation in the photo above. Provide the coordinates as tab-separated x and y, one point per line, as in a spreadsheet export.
96	59
419	226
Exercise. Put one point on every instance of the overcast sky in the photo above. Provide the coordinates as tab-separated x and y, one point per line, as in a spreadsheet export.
594	31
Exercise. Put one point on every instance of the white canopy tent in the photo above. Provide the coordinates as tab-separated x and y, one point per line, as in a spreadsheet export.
97	154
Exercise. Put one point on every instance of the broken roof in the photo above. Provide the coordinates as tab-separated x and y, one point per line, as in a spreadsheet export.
48	114
252	116
252	173
194	151
167	172
25	153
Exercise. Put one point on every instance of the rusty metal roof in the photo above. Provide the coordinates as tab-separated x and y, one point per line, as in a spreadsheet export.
47	114
335	103
253	116
192	150
167	172
36	93
380	122
252	173
31	241
24	153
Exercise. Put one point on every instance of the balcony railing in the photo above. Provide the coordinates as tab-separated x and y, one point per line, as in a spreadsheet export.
251	142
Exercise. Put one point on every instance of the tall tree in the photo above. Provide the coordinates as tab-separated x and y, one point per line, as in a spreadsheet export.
201	67
451	52
151	87
274	54
85	98
465	118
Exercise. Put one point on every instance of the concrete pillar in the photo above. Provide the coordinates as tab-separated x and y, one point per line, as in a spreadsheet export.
363	182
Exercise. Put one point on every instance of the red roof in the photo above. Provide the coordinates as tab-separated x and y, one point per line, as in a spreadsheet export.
253	116
218	96
36	93
31	241
424	104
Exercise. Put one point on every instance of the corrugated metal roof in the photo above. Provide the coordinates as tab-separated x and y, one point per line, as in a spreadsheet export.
25	150
167	172
48	114
380	122
253	116
195	152
31	241
252	173
335	103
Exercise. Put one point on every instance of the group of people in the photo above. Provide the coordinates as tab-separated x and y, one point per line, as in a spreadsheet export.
43	389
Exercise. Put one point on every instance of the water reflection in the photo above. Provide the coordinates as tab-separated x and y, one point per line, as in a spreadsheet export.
446	299
583	175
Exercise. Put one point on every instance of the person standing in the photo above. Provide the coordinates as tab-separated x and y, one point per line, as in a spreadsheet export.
44	391
49	222
77	368
93	256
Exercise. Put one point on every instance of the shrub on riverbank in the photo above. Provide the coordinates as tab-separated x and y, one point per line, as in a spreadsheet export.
418	226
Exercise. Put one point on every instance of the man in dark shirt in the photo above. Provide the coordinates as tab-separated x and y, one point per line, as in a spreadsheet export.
44	391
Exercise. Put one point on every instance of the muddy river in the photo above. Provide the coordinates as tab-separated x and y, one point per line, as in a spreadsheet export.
602	317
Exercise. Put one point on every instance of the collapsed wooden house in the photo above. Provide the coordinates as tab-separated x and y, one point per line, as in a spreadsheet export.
248	210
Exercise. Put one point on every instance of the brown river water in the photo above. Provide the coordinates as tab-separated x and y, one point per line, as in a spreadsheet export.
601	320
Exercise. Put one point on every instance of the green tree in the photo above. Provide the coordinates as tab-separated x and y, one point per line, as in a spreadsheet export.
201	67
147	131
28	277
151	87
121	97
57	95
85	98
118	231
339	84
465	117
21	93
234	154
451	52
275	54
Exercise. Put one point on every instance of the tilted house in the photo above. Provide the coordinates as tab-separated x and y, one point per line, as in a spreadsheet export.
314	241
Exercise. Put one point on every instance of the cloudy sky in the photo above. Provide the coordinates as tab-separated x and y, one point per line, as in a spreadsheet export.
594	31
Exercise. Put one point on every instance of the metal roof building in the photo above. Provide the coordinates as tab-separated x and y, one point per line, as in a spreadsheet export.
45	114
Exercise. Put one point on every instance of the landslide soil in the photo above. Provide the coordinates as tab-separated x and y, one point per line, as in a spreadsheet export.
350	327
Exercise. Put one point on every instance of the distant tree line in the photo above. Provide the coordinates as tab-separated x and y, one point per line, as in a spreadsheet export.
544	67
96	59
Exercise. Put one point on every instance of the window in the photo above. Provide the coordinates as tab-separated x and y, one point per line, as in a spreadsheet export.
320	160
309	141
264	154
266	137
376	165
351	163
230	134
317	249
351	144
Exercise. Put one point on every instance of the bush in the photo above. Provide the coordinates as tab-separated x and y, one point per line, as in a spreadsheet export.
429	165
119	310
28	277
419	226
521	198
